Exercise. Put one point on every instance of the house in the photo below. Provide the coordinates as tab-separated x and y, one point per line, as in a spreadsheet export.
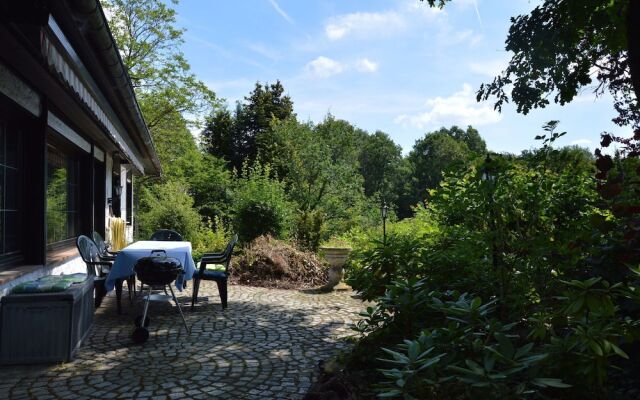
72	136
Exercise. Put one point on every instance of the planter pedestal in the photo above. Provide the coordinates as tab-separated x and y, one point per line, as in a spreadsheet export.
336	257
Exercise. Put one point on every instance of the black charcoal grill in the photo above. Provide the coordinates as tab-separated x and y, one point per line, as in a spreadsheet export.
156	271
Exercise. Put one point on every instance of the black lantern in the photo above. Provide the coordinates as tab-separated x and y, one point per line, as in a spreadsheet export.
117	189
488	172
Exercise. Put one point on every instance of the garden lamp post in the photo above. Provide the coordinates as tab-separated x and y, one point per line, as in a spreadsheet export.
489	176
384	210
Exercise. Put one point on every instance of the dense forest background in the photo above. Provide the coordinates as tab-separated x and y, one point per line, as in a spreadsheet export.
255	168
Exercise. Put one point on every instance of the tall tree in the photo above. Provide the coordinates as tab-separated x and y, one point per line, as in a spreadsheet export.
432	155
471	137
149	45
240	137
169	95
322	165
217	138
262	106
379	161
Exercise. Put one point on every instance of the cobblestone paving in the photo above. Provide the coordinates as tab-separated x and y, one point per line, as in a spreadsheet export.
266	345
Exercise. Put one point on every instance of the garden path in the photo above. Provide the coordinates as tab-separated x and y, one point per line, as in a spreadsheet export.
266	345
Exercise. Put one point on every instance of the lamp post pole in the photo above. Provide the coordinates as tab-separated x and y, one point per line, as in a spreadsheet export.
384	210
490	177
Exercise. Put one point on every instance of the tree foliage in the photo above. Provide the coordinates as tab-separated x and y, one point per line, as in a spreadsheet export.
563	46
380	159
260	204
438	151
149	45
523	258
240	137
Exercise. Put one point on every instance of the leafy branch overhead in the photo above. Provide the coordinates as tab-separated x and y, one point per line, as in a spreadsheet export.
563	47
149	44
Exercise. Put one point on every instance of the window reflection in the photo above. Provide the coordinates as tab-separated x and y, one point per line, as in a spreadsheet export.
62	195
10	190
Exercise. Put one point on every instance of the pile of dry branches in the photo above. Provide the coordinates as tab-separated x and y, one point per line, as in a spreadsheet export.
269	262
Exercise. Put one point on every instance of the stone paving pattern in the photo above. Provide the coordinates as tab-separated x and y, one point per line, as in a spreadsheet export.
265	345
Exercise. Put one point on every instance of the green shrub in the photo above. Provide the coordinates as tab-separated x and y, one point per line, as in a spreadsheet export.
373	269
167	206
465	353
213	236
540	245
309	229
260	205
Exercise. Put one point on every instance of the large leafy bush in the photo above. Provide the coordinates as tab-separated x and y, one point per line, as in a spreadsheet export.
500	299
167	206
260	205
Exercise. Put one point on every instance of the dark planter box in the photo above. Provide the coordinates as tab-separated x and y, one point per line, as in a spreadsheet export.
45	327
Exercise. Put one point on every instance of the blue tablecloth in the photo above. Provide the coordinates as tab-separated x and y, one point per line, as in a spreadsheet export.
127	258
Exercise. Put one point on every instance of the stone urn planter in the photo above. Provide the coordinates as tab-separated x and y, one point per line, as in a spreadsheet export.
336	257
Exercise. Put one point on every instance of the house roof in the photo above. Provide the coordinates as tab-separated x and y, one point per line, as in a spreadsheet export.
86	26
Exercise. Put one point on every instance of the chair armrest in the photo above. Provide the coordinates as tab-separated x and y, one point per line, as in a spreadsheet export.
213	260
99	263
213	254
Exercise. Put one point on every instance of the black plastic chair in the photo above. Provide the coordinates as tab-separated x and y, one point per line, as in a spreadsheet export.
156	271
96	267
105	253
221	277
166	235
99	267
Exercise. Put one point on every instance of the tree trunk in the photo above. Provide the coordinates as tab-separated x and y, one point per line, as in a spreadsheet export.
633	44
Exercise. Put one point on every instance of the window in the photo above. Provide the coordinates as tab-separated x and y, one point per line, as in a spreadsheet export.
63	192
11	175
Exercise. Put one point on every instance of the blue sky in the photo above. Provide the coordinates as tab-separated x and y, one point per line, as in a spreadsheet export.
395	65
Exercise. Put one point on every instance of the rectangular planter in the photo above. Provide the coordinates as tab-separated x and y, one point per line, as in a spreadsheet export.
45	327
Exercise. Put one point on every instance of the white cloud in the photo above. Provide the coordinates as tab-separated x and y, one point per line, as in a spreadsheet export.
366	65
460	108
383	23
489	68
281	11
324	67
364	24
581	142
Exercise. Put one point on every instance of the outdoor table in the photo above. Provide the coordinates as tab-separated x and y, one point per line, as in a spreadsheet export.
127	258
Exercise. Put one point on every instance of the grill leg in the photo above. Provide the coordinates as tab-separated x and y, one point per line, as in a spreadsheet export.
119	295
179	308
146	306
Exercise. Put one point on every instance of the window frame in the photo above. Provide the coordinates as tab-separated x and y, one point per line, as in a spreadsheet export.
14	257
68	148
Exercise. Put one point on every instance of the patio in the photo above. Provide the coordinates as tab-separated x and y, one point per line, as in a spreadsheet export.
267	344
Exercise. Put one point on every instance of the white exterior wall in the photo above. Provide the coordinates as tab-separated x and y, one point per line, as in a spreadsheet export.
123	203
108	166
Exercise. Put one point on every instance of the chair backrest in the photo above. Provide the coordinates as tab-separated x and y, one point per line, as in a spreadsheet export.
89	252
166	235
226	255
99	241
